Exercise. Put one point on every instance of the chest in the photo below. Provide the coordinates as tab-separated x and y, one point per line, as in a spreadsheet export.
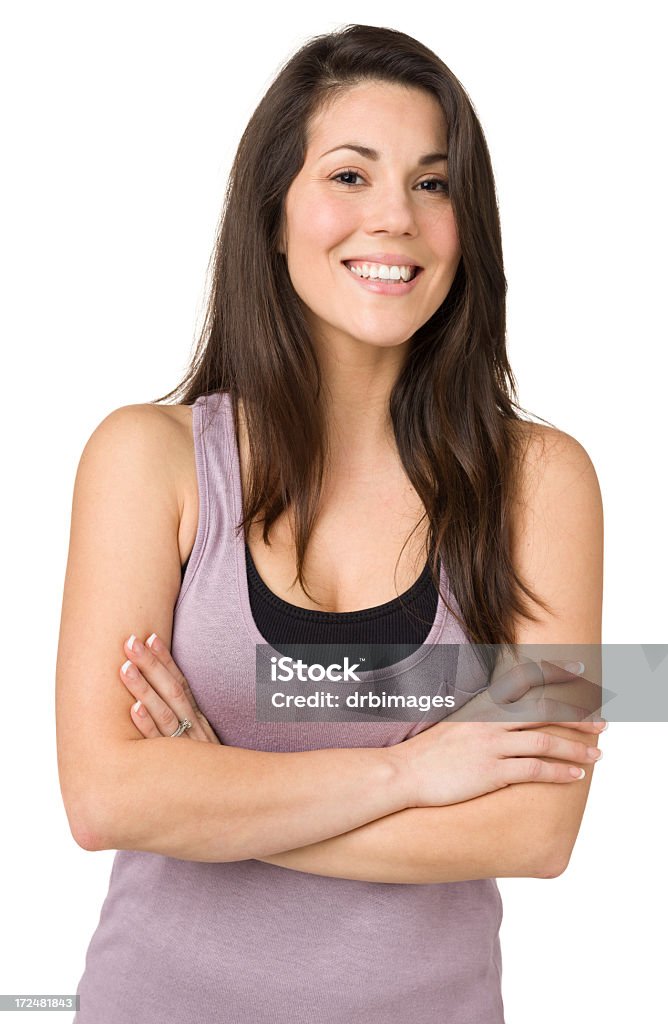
368	544
359	554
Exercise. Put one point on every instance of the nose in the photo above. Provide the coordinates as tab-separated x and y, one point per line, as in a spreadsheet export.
391	210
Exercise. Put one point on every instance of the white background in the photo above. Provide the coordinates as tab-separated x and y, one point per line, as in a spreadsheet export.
119	124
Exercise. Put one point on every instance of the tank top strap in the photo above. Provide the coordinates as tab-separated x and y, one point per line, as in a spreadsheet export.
214	551
218	446
212	417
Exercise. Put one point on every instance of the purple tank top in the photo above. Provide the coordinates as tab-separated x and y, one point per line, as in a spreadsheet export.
187	942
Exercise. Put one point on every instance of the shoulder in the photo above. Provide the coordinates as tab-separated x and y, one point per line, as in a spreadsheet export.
148	444
146	453
145	423
557	535
553	464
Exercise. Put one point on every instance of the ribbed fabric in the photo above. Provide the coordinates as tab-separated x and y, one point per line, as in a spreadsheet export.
186	942
406	620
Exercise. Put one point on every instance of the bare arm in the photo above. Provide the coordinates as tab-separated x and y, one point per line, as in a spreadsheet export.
516	832
528	829
195	801
492	836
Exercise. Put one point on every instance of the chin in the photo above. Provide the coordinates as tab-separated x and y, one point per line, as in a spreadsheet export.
376	336
379	339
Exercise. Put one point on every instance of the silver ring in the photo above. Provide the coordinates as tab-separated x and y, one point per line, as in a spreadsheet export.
185	724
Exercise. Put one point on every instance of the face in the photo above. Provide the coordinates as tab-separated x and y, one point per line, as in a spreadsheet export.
348	207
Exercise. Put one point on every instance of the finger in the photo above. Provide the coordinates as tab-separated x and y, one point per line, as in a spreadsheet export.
515	683
163	716
167	685
206	727
143	721
164	656
553	671
544	744
531	769
581	691
521	715
201	729
149	730
554	696
585	726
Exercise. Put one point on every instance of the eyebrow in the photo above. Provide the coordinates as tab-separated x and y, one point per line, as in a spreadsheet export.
373	154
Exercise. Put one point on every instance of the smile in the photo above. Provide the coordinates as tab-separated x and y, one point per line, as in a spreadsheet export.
385	286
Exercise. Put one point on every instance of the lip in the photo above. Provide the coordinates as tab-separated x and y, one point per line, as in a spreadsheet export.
391	259
385	287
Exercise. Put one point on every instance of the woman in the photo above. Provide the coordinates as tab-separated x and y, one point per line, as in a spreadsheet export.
326	871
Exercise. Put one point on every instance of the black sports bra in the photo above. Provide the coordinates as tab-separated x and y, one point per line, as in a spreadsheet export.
407	619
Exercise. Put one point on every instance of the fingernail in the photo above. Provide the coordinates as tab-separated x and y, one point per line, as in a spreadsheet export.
595	753
604	726
135	645
139	709
575	666
149	642
128	669
577	773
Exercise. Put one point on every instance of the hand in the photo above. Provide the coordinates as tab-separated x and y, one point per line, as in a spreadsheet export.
522	695
456	760
164	697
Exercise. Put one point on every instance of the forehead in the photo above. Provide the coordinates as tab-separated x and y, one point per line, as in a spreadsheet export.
380	115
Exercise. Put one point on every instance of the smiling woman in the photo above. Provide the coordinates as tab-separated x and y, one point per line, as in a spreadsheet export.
345	465
332	223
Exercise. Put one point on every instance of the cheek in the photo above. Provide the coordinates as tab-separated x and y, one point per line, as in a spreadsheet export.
443	238
452	246
319	225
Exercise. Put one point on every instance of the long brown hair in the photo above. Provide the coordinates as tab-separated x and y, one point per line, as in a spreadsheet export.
453	406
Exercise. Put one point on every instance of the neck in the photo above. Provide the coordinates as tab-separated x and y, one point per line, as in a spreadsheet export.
356	396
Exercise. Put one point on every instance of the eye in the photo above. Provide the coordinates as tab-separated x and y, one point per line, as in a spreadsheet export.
436	181
342	174
349	172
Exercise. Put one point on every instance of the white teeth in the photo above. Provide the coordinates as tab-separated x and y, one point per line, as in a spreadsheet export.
380	271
